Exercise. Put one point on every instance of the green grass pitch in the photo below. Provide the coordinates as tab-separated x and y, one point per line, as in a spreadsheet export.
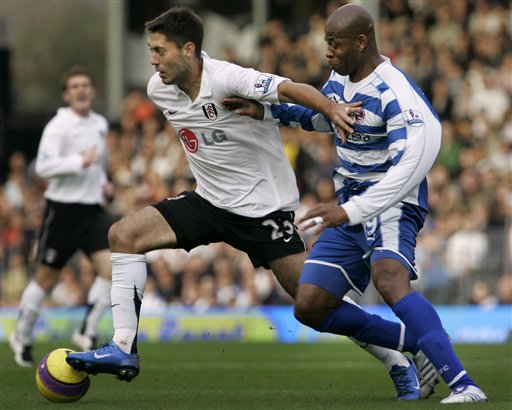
256	376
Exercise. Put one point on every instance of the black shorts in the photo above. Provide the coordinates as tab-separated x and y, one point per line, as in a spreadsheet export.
196	222
69	227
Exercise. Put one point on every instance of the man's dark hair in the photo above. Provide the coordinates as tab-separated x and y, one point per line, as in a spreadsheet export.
72	72
179	25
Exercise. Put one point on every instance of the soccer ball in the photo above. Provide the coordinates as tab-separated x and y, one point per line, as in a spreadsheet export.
58	381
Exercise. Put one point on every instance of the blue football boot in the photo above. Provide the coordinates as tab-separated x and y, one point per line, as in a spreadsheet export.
406	381
108	358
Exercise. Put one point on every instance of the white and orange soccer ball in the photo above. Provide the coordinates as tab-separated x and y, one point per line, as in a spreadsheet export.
57	381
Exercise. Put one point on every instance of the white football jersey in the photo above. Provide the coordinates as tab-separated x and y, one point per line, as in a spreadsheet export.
60	161
239	163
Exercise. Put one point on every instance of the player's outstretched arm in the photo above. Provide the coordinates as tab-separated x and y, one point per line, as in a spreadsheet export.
292	115
310	97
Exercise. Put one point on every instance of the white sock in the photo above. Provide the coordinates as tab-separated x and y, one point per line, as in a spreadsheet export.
98	299
388	357
128	282
30	305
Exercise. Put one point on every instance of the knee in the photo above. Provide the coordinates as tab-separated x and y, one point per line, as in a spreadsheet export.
392	284
383	284
307	316
120	238
301	311
311	308
46	277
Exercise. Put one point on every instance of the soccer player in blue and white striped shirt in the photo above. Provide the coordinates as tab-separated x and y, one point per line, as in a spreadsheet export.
382	189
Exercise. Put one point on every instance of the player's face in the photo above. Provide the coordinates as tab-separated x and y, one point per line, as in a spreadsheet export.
79	94
171	62
342	52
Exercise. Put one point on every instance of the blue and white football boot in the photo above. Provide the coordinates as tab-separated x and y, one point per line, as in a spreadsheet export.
108	358
406	381
465	394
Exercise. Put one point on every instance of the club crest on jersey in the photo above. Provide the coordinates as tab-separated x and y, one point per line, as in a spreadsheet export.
358	116
263	83
413	118
210	111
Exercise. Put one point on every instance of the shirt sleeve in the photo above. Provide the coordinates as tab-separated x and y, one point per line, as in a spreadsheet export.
49	161
297	116
415	145
248	83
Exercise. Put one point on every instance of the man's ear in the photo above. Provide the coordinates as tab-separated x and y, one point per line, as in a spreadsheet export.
189	49
362	42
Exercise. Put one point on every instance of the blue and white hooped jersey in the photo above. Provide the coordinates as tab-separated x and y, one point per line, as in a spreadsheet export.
395	141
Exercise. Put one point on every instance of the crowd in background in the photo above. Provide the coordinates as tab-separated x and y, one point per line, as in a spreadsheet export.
458	52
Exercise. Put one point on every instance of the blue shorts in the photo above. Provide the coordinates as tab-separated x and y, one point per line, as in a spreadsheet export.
342	256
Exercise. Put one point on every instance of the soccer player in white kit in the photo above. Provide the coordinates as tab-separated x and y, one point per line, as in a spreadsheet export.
246	192
71	157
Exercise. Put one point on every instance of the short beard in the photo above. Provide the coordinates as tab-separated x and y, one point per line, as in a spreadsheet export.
183	75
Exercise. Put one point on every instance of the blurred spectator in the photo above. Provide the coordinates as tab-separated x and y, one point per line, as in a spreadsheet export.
152	298
248	295
441	99
227	288
445	32
165	282
467	248
450	149
505	289
207	295
13	279
17	180
68	292
482	295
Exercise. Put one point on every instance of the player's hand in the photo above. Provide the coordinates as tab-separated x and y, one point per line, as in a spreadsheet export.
108	190
341	116
242	106
89	157
323	216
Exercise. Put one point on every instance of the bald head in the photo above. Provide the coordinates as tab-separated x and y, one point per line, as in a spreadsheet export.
350	19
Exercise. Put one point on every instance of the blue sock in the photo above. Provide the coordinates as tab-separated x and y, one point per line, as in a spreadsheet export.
422	320
351	320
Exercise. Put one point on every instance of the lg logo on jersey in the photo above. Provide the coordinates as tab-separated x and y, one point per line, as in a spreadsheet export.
191	141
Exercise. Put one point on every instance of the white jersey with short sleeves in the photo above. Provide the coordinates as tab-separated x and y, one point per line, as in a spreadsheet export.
59	157
239	163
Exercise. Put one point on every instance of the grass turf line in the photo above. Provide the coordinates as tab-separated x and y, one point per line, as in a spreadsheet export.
242	376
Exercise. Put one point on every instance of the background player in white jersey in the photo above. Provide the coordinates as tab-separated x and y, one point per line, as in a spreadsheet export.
246	192
71	157
382	193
